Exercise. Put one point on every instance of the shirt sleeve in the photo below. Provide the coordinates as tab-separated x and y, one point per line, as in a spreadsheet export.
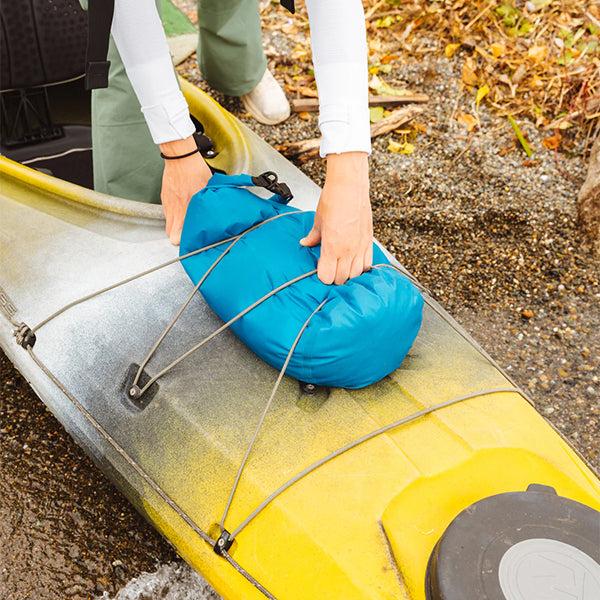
142	44
339	48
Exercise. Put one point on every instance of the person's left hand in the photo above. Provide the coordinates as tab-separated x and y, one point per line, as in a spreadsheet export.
343	221
182	178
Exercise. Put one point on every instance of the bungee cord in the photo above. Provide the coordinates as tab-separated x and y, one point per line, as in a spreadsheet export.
153	269
355	443
223	327
235	239
109	288
264	414
119	449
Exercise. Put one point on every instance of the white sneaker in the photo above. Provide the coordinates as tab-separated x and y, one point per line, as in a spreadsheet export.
267	102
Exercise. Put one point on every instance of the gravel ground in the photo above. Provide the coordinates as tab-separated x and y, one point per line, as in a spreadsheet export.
65	531
491	234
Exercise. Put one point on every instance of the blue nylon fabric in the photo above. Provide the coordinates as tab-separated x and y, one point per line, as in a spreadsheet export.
361	334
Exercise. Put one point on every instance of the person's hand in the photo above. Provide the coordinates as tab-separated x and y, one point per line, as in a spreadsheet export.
182	178
343	221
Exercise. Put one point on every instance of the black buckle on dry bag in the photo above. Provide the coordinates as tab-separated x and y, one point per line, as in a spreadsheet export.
268	180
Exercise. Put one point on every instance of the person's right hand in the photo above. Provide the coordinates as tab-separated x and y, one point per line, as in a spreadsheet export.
343	221
182	178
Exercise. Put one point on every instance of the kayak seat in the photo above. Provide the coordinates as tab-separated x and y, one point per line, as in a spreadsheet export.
68	157
43	45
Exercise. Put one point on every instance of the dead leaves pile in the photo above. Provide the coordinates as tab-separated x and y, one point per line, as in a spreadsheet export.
538	59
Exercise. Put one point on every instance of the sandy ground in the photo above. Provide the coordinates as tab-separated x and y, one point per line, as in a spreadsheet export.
491	234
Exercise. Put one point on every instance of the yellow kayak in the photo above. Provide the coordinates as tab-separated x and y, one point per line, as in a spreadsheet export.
439	482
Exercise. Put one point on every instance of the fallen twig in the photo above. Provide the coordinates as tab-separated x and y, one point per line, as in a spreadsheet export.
312	104
306	150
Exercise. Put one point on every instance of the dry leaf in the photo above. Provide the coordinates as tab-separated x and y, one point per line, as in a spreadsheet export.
380	87
385	22
482	92
290	29
469	72
498	49
536	81
404	148
376	113
304	116
563	124
394	146
308	92
375	46
451	49
519	74
538	53
552	143
467	120
299	53
375	82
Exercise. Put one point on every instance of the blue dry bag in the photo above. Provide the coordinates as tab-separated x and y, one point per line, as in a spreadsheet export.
361	334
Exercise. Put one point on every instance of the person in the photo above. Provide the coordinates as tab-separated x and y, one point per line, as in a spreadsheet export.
343	221
232	61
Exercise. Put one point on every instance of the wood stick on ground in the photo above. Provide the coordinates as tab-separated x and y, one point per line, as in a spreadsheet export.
306	150
312	104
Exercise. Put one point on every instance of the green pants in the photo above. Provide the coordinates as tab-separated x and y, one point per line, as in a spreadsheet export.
127	163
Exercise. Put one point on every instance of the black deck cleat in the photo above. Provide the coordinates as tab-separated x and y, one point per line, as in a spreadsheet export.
24	336
132	393
224	542
310	389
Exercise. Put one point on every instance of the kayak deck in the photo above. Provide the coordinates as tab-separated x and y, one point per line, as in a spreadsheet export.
360	526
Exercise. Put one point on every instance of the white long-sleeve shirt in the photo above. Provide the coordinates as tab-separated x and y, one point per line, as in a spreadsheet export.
339	50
